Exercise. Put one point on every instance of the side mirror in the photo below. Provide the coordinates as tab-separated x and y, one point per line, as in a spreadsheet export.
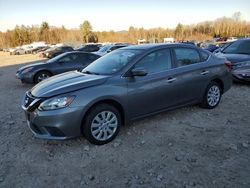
109	51
139	72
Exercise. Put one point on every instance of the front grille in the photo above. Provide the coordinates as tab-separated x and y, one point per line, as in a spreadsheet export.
53	131
30	102
35	128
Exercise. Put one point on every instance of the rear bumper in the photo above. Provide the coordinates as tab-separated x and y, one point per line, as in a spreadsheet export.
227	82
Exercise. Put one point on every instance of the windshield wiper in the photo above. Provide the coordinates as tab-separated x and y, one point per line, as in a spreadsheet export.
89	72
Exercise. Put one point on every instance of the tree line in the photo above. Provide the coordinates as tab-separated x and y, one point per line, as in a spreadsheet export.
221	27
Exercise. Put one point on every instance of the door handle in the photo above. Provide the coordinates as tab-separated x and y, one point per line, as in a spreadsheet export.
170	80
204	72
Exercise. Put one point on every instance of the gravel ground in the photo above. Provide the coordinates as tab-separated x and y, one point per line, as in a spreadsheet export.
187	147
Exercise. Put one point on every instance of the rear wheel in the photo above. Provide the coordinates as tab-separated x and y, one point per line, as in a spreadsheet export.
42	75
212	96
102	124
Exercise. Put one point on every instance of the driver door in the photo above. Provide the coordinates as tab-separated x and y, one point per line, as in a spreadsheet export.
69	62
155	91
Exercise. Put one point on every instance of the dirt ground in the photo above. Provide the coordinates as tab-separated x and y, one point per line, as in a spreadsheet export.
187	147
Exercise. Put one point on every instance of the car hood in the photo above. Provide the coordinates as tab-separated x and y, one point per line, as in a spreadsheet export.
66	82
242	69
39	64
234	58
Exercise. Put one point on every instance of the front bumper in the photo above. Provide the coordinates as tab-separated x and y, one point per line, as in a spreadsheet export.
55	124
58	124
25	78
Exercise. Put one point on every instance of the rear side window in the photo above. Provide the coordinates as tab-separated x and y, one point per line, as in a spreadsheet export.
204	56
157	61
186	56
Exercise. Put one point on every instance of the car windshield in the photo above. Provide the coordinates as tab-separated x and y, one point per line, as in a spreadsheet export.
112	62
104	48
79	48
56	58
239	47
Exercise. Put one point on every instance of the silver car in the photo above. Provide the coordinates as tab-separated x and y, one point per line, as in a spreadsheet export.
124	85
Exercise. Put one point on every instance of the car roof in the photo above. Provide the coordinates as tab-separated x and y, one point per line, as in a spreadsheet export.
156	46
80	52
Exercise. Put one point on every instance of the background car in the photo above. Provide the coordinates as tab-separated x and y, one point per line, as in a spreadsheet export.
58	50
43	53
88	48
19	51
40	49
238	53
211	47
34	49
109	48
122	86
222	47
35	73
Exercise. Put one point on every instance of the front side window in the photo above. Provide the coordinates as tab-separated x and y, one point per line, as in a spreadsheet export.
186	56
238	47
157	61
69	58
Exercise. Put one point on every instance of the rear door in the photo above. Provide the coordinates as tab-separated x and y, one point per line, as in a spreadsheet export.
192	74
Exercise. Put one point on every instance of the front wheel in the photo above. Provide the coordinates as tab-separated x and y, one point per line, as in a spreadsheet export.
42	75
212	96
102	124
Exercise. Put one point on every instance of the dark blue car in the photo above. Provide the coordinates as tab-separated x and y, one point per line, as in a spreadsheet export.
239	55
69	61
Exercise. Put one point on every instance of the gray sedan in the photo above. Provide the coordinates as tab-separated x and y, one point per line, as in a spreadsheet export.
124	85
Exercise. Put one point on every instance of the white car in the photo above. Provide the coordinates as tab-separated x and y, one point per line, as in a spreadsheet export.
19	51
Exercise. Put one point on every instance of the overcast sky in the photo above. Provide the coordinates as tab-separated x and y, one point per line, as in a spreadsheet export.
117	15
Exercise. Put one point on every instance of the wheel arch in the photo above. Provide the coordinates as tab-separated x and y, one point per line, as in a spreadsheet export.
41	70
220	82
111	102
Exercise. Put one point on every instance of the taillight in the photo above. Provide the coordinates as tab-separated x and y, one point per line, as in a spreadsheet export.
228	65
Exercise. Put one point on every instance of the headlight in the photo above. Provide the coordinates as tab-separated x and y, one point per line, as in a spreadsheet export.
56	103
27	70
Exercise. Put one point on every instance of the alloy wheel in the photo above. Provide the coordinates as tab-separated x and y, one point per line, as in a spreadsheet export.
104	125
42	77
213	95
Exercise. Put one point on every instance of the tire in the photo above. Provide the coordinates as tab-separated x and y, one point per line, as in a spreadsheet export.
42	75
102	124
212	96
